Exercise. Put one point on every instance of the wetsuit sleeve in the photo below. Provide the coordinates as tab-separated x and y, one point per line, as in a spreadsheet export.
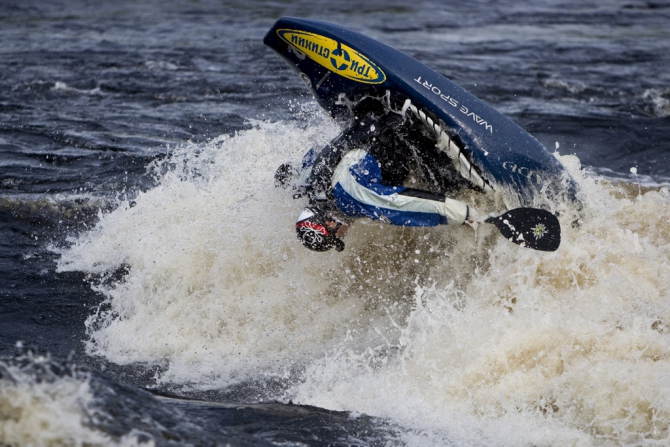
358	192
318	167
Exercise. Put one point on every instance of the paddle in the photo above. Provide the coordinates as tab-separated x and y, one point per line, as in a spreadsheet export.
529	227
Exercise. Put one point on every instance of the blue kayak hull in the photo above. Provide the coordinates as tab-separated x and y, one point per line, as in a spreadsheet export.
337	63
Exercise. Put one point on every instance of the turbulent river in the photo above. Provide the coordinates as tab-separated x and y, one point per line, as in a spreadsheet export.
152	290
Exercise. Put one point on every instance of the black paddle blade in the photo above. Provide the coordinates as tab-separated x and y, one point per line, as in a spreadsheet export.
530	227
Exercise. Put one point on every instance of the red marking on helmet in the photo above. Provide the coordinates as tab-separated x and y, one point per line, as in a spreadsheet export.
312	226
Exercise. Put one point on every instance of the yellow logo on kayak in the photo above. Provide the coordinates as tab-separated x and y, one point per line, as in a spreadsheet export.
334	55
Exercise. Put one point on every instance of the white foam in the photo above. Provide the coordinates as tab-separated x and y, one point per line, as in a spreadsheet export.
479	341
219	286
62	86
645	181
566	348
50	413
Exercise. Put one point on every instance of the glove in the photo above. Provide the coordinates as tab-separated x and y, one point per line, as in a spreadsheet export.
455	211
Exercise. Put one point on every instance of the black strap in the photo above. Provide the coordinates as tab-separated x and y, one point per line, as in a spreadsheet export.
421	194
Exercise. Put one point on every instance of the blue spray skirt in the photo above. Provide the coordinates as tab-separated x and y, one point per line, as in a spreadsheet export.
340	65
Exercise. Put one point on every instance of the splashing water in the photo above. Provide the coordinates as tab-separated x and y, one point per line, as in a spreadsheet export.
461	337
568	348
40	405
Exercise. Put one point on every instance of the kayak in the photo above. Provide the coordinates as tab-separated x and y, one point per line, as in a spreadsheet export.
341	66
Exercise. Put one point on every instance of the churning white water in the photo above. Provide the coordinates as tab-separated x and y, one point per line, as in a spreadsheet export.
459	336
51	411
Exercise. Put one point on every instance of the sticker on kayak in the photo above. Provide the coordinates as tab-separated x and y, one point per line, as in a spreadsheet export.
334	56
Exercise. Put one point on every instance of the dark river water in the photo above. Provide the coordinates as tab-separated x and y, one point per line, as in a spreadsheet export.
152	291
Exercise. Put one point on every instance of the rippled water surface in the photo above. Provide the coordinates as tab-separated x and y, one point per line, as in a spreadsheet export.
152	290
